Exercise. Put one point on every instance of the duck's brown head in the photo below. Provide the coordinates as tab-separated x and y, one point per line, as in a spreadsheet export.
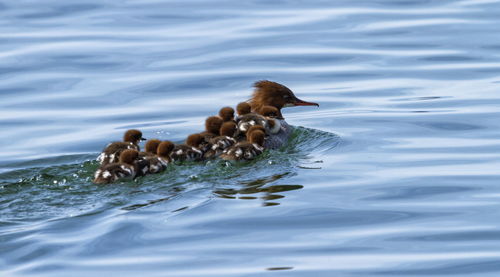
195	140
243	108
269	111
257	137
228	129
129	156
213	124
227	114
133	136
164	149
269	93
253	129
152	146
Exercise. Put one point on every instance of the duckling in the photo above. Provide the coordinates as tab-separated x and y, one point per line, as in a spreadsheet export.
212	130
246	121
159	162
271	114
227	114
243	108
126	168
222	142
246	150
253	128
190	150
150	148
111	154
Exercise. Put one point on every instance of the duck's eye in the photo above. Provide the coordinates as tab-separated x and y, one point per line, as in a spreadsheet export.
286	97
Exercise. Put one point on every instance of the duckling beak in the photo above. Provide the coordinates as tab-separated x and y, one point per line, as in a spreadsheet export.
298	102
143	139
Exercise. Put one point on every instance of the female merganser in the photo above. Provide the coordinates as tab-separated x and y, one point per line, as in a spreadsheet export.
126	168
111	154
159	162
246	150
222	142
190	150
269	93
227	114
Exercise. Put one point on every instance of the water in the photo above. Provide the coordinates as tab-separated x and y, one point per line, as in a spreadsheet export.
396	174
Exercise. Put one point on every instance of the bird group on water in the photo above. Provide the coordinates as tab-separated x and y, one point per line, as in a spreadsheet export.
258	125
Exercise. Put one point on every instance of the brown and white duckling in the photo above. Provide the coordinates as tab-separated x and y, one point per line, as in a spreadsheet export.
146	157
246	150
150	148
253	128
159	162
190	150
243	108
248	120
222	142
126	168
212	130
227	114
111	154
271	114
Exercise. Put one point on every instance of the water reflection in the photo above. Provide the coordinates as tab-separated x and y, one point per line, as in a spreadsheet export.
258	186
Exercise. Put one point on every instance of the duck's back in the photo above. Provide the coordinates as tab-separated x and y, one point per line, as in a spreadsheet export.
279	139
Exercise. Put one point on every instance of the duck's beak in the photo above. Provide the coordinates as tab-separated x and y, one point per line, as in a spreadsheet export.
143	139
298	102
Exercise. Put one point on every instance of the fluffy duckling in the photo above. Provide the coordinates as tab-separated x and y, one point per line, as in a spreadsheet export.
243	108
126	168
253	128
246	150
222	142
269	111
150	148
146	157
159	162
227	114
111	154
271	114
190	150
246	121
212	130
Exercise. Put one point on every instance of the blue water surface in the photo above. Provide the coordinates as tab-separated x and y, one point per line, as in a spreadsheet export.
396	174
